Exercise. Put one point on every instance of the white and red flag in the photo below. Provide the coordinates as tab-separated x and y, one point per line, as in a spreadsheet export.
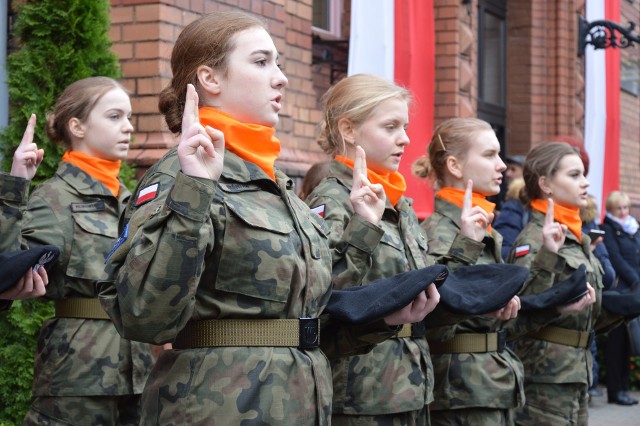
602	107
395	39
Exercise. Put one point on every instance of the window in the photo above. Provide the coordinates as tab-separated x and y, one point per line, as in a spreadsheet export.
327	18
492	49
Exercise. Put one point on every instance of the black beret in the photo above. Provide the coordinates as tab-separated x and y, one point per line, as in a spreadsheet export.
13	265
376	300
625	303
561	293
480	289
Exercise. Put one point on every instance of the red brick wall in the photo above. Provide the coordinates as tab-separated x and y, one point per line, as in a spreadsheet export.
143	32
630	118
545	91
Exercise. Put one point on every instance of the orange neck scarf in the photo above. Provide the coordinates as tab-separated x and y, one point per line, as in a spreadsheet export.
393	183
569	216
456	196
105	171
251	142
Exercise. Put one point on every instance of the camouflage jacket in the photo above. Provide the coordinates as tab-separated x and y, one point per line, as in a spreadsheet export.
490	379
79	215
242	247
396	376
546	362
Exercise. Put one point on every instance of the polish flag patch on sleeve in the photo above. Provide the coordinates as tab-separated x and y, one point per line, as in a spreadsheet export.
523	250
318	210
147	194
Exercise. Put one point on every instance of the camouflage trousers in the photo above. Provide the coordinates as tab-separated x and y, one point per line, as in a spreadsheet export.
472	417
554	404
410	418
84	410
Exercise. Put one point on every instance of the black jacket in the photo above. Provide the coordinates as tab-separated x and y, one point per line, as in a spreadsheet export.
624	253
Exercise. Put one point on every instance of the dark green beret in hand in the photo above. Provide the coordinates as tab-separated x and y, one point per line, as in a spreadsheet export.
14	265
376	300
481	289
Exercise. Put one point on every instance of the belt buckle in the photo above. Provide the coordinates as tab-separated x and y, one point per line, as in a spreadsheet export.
309	333
418	329
502	340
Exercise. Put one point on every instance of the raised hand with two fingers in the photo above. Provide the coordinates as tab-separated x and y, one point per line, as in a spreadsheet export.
368	200
474	221
27	156
553	233
201	149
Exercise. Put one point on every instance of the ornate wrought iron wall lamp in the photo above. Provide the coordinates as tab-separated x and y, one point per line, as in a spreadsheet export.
602	34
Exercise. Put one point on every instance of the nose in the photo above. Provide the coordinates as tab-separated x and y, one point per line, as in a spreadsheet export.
403	139
128	127
280	81
501	166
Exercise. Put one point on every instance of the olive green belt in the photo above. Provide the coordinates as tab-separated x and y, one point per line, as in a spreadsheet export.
563	336
303	333
469	343
405	331
80	308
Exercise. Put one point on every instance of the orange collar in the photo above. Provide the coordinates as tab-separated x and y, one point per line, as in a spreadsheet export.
456	196
569	216
104	171
393	183
251	142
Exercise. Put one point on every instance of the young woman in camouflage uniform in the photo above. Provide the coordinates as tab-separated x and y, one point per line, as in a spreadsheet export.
557	359
475	382
224	260
393	383
84	373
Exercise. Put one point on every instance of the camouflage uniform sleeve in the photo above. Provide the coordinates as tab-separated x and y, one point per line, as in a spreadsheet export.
30	222
448	246
157	271
352	239
13	203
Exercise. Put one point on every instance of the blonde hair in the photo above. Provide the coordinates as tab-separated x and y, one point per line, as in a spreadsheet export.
206	41
614	198
353	98
542	160
513	191
450	138
590	211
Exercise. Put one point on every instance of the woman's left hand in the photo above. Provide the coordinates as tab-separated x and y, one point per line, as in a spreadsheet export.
32	284
368	199
509	311
415	311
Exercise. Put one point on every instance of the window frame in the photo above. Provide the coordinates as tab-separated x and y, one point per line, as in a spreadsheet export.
335	21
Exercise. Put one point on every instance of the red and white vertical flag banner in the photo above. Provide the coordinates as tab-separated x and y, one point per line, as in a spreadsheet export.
602	107
394	39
